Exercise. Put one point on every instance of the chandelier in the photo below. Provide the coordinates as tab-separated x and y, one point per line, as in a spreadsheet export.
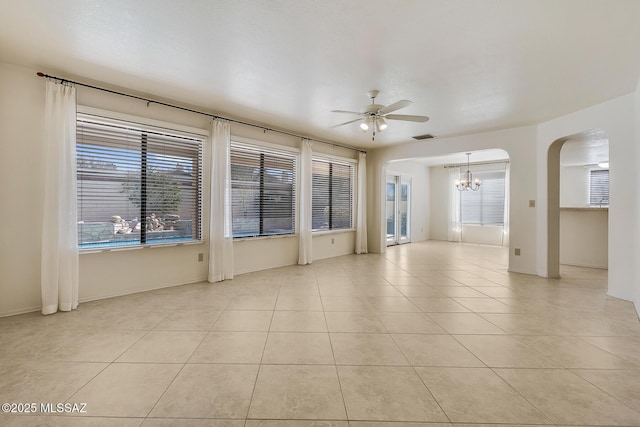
467	182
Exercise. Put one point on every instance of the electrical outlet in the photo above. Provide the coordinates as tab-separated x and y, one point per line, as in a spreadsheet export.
200	257
517	252
333	240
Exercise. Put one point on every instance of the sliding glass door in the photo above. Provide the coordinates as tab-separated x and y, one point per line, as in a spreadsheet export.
403	212
397	210
391	211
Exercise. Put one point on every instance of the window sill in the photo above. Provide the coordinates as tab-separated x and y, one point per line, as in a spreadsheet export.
252	238
327	232
138	247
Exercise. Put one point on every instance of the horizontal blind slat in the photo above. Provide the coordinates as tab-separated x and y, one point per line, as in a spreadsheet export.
599	187
262	191
110	183
485	206
332	195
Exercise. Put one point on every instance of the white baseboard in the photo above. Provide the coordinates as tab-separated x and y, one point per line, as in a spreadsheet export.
101	297
20	311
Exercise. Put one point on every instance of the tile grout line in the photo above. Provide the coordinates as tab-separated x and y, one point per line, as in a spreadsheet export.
493	370
264	346
184	364
570	370
413	368
335	366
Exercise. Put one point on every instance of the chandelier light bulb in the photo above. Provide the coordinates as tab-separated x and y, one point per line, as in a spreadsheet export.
468	183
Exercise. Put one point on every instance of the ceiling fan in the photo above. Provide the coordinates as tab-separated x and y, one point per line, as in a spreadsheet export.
376	115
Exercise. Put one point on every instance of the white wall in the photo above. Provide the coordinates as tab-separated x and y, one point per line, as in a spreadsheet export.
112	273
618	118
418	174
439	213
482	234
21	187
263	253
584	230
574	186
636	232
329	245
583	237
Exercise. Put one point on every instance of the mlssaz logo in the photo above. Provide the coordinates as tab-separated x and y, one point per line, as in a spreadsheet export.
66	408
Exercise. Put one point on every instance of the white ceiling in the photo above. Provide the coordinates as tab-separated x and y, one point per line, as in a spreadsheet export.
478	156
586	149
470	65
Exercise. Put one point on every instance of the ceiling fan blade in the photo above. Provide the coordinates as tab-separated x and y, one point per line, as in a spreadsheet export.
346	123
344	111
407	118
395	106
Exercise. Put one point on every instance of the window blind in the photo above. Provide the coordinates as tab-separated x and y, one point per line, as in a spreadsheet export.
136	185
485	206
263	183
332	195
599	187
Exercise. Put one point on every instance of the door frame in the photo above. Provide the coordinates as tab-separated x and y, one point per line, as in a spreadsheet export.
399	181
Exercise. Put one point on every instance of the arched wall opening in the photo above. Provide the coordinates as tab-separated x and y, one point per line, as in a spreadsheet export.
617	118
520	146
433	200
554	207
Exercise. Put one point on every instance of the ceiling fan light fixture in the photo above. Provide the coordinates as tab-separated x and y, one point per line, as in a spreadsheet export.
374	116
381	123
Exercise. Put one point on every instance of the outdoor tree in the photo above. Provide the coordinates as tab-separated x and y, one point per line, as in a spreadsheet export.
163	192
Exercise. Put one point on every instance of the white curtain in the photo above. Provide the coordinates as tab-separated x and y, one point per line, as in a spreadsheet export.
220	226
361	205
59	255
507	178
455	225
305	239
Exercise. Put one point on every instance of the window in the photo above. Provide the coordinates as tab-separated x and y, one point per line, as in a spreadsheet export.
485	206
599	187
332	195
262	191
137	185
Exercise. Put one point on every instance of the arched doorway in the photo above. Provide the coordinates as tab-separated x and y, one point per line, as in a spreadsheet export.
589	159
429	193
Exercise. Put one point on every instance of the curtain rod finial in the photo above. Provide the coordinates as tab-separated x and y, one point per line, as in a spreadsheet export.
40	74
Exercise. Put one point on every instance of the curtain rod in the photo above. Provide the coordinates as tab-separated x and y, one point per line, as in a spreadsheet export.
488	162
152	101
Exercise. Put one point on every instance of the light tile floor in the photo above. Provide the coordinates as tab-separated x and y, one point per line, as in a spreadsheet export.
430	333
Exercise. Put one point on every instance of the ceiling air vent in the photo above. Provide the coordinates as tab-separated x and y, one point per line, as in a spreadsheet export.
425	136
